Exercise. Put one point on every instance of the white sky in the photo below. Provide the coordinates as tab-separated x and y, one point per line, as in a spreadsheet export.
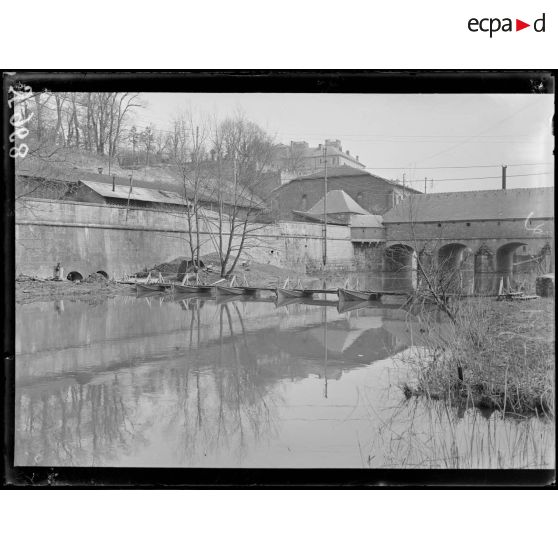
409	131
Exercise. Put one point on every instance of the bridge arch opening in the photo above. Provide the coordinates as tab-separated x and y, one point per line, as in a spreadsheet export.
455	255
400	263
400	257
455	267
504	257
103	273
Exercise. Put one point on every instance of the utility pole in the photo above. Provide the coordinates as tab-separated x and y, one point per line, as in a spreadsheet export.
504	168
325	207
425	184
131	176
431	185
403	179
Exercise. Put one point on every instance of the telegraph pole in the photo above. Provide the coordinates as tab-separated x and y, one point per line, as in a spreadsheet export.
425	184
504	168
325	207
131	176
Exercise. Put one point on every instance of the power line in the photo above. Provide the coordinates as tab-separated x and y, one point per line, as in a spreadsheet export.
482	177
411	168
467	140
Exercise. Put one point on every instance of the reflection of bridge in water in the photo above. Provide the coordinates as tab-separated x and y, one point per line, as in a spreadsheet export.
90	374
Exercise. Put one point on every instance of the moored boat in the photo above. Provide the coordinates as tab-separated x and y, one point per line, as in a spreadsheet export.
229	291
346	294
291	293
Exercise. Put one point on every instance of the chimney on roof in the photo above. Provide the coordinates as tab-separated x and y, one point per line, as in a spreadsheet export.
100	169
357	157
319	146
334	143
348	152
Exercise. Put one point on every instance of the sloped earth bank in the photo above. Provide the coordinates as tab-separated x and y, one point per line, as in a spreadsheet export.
251	272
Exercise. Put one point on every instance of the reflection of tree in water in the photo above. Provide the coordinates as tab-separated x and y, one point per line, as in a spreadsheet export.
223	405
74	425
209	396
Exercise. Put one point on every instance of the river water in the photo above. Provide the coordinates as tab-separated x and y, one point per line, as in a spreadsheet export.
194	382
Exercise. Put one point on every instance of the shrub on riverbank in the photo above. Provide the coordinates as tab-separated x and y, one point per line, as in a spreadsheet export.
498	355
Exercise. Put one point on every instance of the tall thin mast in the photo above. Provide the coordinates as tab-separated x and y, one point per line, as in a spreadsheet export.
325	207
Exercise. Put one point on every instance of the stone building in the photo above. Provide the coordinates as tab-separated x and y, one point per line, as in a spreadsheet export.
373	193
299	159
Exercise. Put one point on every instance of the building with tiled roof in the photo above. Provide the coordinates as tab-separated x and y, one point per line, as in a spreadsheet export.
373	193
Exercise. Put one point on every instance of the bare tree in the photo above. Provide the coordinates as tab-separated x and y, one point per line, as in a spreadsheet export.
295	161
133	138
104	118
188	157
147	138
243	153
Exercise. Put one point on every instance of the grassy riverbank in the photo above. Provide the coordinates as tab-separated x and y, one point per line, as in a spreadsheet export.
498	355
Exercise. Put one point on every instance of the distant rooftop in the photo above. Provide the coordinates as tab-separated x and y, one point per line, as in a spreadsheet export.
337	201
305	151
345	171
137	193
517	203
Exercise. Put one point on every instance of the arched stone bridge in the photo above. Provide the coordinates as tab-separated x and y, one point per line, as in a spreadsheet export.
488	232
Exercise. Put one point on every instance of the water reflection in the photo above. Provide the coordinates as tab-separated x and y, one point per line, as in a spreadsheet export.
157	381
467	280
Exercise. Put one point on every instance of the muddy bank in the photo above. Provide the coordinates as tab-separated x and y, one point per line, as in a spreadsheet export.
95	287
47	290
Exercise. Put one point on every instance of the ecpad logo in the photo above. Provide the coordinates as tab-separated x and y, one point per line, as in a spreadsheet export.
493	25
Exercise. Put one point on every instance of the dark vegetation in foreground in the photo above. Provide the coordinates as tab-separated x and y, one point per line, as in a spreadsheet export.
494	355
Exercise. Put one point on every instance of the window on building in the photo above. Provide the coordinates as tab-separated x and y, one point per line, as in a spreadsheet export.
468	224
439	224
